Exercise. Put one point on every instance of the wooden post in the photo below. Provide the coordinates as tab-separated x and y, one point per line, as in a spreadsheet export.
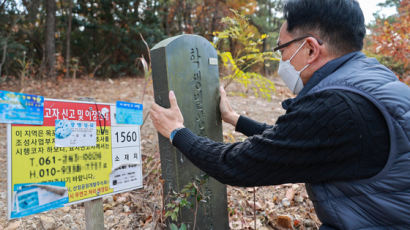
188	65
94	210
94	214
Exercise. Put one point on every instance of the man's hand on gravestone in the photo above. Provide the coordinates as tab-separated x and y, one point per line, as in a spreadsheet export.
166	120
227	113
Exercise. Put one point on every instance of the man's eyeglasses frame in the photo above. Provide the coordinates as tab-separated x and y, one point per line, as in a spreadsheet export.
295	40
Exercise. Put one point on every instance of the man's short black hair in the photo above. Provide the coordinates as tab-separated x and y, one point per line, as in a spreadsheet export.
340	23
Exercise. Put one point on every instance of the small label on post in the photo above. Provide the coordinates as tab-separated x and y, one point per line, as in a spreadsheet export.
213	61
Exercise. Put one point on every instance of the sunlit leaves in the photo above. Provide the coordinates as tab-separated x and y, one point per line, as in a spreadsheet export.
247	54
391	37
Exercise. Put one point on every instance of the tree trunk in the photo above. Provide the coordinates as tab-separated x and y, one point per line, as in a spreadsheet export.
67	57
3	59
215	20
23	73
179	16
5	46
32	7
50	37
165	12
265	70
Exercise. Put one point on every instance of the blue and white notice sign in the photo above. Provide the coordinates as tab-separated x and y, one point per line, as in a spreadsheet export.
20	108
30	199
129	113
70	133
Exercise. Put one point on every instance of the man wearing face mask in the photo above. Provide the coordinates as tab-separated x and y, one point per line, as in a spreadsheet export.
346	133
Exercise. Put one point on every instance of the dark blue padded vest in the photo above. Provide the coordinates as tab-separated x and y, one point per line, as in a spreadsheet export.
382	201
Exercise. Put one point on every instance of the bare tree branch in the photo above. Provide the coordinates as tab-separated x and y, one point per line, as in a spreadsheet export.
2	4
99	65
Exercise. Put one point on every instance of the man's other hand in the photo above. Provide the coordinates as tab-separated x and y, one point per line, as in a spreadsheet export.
166	120
227	113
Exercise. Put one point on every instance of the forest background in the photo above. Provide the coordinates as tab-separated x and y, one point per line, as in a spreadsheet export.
99	38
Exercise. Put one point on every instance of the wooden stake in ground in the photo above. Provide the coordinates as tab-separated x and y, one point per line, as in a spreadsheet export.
94	210
188	65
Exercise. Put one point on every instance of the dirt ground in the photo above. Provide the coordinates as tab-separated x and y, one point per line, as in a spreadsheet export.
277	207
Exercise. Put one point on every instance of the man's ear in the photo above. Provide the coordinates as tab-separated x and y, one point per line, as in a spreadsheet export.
314	49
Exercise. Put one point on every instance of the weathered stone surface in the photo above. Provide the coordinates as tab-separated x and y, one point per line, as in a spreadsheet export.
188	65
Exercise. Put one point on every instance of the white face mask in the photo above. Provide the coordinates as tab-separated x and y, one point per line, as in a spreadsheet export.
290	75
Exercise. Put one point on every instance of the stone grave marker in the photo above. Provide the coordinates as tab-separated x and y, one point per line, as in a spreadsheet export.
188	65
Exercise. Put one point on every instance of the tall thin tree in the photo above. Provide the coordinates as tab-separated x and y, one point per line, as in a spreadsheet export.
50	47
68	38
